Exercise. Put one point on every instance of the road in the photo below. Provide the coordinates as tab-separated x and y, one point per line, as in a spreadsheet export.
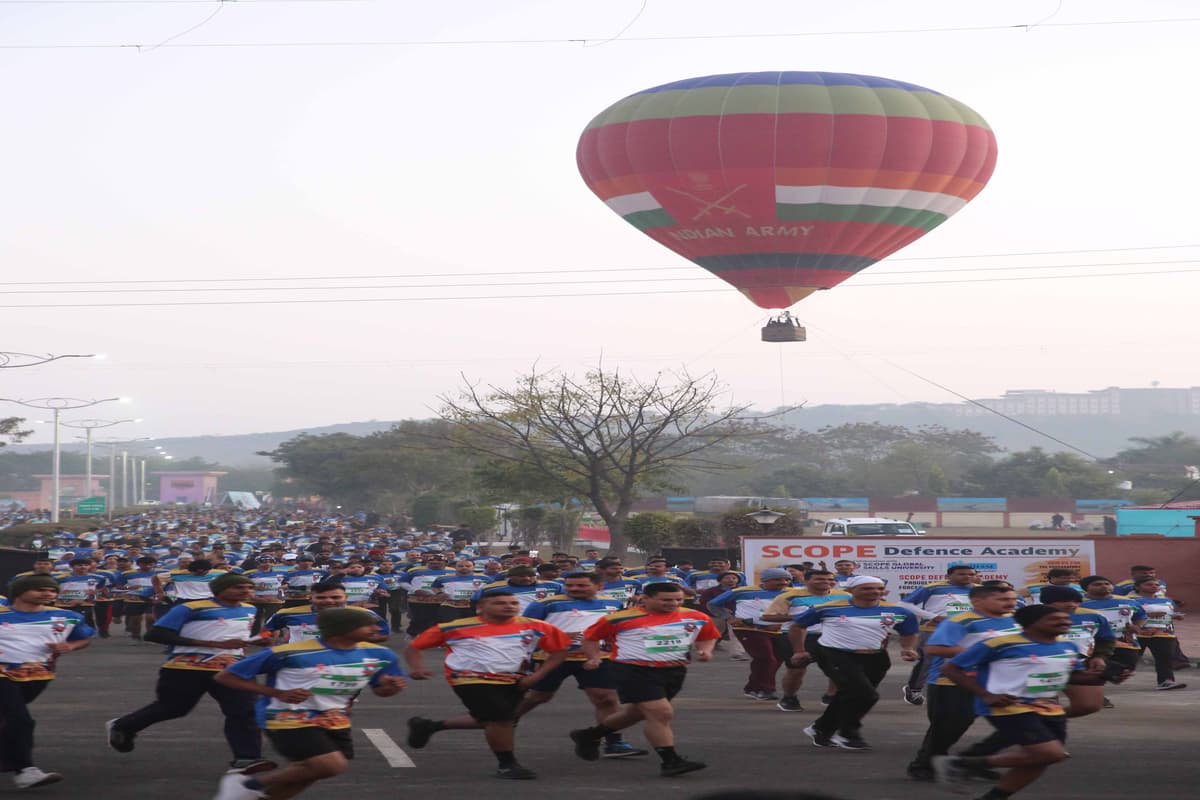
1145	746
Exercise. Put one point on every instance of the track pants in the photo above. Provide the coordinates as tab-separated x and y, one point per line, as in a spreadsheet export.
764	659
856	676
951	710
16	723
177	693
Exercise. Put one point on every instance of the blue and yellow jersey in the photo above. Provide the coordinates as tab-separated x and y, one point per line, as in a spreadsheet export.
210	621
1015	665
334	677
965	630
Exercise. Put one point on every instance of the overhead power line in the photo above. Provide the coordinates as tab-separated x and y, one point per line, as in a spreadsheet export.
325	300
688	279
592	40
590	270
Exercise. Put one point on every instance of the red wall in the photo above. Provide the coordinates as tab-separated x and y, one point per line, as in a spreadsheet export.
1177	561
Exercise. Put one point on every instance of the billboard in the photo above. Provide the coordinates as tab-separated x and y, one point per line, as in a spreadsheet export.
972	504
907	564
847	505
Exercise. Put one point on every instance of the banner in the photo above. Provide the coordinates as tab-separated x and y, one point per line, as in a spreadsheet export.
906	564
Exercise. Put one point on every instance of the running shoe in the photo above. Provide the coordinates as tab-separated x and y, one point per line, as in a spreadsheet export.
232	788
740	657
819	739
680	767
849	742
1167	685
420	730
916	698
787	703
587	744
920	773
515	773
826	699
622	750
1108	703
251	766
32	776
949	773
118	739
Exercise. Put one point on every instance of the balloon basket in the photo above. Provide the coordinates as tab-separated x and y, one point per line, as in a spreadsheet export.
784	328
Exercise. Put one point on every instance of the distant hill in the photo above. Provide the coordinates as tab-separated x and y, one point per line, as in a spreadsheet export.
238	450
1100	435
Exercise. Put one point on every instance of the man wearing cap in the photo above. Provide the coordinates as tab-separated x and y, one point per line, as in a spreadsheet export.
765	642
205	637
304	704
487	664
33	634
854	633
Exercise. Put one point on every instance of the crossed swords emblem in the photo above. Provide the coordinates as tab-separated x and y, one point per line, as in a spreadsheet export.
708	206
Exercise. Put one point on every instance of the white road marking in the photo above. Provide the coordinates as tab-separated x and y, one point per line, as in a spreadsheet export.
391	751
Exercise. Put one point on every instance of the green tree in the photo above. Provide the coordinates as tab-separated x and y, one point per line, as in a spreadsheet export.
1033	472
604	437
482	520
11	430
696	532
651	531
393	467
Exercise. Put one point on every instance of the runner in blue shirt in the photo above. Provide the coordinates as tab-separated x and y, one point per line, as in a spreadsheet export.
304	704
1016	682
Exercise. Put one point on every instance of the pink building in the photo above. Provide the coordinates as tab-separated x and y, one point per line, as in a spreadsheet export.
71	489
188	487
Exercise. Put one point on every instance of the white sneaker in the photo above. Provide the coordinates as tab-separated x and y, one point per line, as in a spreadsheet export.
231	788
32	776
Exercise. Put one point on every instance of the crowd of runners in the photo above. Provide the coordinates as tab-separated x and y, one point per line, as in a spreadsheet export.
284	621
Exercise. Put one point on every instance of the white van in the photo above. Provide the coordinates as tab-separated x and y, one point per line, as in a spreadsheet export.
869	526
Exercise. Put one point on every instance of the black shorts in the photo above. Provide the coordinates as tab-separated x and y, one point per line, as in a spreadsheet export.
598	678
301	744
638	684
490	702
1030	728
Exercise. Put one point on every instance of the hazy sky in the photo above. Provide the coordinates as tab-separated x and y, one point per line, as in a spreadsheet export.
436	160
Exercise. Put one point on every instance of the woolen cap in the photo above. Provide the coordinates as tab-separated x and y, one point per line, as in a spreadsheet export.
338	621
27	583
774	573
226	581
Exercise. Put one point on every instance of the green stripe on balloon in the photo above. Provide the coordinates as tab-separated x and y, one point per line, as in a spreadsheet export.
654	218
881	215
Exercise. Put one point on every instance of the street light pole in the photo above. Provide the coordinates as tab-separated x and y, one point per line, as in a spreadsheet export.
57	405
112	467
87	426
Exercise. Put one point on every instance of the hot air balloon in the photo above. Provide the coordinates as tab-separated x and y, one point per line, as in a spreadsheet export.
783	183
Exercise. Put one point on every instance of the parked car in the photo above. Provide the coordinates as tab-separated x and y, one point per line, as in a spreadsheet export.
869	526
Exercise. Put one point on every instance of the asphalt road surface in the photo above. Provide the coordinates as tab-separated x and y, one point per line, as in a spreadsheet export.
1147	746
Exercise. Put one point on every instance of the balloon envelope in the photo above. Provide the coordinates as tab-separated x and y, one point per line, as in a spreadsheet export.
783	183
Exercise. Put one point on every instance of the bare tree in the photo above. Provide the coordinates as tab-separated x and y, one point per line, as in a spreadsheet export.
605	437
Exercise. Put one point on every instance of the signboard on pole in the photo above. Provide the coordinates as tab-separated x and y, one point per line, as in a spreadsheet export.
908	562
91	505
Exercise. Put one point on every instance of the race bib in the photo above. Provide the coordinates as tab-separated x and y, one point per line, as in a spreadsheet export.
666	644
1046	684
